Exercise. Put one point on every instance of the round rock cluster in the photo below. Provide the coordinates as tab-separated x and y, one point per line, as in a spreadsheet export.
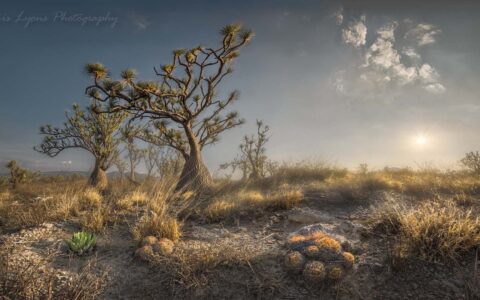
150	245
317	256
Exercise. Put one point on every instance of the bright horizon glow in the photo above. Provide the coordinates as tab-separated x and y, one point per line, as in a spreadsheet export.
420	140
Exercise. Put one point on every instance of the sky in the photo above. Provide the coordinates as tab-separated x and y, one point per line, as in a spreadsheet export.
380	82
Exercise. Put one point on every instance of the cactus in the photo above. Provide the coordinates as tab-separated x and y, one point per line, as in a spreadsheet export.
319	255
314	271
294	261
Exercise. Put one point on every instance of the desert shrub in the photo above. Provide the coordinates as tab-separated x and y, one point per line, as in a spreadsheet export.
472	162
81	242
96	220
91	198
435	230
160	226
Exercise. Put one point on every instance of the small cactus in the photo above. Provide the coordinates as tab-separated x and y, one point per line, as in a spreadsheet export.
335	273
349	259
149	240
294	261
163	246
328	243
144	252
314	271
312	251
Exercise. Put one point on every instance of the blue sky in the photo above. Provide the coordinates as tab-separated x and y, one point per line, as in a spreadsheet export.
348	82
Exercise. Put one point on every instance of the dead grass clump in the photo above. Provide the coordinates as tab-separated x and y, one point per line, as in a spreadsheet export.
440	231
302	172
97	220
434	231
250	201
35	279
132	199
91	198
160	226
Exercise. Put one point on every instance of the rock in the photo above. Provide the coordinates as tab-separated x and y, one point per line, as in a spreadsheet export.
347	246
314	271
305	215
149	240
163	246
144	252
377	267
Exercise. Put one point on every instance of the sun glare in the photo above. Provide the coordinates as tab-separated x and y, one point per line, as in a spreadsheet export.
420	140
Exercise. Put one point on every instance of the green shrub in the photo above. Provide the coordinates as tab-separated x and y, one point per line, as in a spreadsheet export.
81	242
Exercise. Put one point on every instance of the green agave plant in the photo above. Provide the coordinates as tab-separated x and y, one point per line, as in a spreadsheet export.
81	242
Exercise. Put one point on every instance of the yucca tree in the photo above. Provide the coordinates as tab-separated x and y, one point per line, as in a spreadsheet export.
252	162
184	106
98	133
134	154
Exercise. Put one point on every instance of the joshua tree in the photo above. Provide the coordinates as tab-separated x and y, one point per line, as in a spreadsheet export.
86	129
121	166
184	106
252	161
151	157
472	162
134	154
17	174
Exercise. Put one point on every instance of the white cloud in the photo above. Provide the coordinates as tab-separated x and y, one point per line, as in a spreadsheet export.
435	88
423	34
356	33
338	15
381	53
410	52
387	32
428	74
384	65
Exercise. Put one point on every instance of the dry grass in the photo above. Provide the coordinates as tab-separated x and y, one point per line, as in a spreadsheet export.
434	231
90	198
36	279
132	199
246	201
300	173
159	226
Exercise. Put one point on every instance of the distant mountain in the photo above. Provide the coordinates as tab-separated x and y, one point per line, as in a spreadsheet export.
113	174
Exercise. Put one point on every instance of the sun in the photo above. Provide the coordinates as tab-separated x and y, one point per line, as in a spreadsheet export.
420	140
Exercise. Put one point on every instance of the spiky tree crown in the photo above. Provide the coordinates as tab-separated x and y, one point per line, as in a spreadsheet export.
185	95
95	132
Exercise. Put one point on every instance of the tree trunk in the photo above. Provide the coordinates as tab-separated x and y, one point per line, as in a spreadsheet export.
98	178
194	174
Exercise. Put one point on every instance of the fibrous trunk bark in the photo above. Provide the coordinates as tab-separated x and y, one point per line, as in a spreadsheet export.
98	178
194	174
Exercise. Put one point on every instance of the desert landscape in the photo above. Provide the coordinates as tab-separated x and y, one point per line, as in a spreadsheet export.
132	193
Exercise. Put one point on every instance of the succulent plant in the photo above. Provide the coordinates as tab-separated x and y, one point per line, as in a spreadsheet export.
312	251
335	273
349	259
81	242
149	240
163	246
314	271
294	261
144	252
